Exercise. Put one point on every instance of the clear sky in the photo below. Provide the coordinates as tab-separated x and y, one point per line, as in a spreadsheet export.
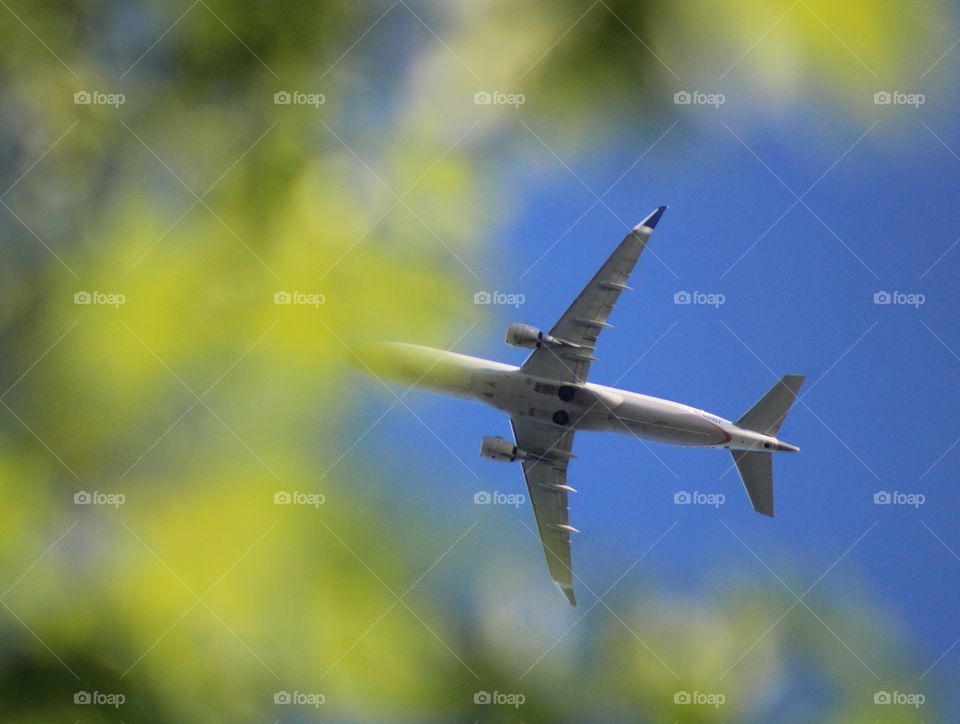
798	279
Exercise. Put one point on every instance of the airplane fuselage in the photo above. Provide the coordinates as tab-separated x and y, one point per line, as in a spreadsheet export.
586	406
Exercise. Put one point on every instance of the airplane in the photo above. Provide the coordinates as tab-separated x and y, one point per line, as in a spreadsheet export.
549	399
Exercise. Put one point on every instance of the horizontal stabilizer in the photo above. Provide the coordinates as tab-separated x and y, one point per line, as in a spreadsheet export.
756	471
767	415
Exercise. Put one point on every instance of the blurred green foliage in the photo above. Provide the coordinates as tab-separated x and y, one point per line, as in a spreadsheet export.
199	398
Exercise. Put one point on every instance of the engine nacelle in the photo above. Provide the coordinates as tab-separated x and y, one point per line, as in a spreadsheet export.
523	335
503	451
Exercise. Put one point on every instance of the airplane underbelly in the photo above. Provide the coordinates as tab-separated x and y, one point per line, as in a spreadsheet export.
690	431
661	423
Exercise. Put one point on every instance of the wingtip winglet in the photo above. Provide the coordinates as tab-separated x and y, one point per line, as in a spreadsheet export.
651	221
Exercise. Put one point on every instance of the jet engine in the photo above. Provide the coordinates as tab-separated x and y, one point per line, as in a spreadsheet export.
503	451
523	335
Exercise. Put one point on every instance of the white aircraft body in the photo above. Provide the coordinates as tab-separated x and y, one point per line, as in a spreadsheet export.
549	399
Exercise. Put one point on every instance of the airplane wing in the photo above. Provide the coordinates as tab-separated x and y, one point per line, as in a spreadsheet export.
545	471
582	323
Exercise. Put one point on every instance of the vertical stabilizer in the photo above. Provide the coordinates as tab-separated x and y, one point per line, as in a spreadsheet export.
767	415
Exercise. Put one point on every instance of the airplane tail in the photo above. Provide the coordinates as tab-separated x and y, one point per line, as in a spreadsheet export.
767	414
766	417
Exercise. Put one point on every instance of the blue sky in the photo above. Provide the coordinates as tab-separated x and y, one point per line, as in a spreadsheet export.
881	398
